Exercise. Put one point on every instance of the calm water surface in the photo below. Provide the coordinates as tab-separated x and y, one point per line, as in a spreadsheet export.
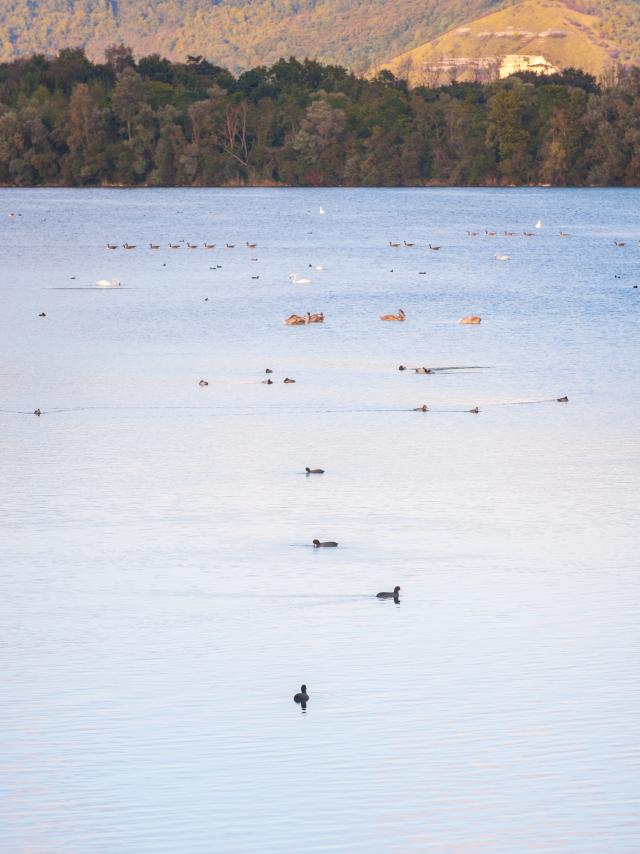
160	599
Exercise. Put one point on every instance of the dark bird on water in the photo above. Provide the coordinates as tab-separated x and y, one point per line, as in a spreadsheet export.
302	697
288	380
42	314
328	545
314	471
203	383
423	408
37	412
564	399
475	410
386	595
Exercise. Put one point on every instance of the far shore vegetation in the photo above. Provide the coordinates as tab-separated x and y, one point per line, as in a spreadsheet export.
67	121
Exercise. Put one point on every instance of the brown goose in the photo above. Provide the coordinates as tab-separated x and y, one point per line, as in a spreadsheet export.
399	316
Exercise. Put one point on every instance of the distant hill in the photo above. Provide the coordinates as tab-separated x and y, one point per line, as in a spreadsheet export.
539	35
237	34
240	34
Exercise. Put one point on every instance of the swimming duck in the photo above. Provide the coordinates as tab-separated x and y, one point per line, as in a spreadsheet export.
203	383
328	545
174	246
564	399
394	245
490	233
288	380
386	595
42	314
399	316
37	412
268	381
475	410
470	320
472	233
251	245
154	246
408	244
315	318
128	246
268	371
434	248
192	245
302	697
314	471
294	320
423	370
423	408
111	246
230	245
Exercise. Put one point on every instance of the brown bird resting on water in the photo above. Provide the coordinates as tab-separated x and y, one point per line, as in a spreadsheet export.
203	383
423	408
399	316
564	399
470	320
268	381
314	471
288	380
475	410
294	320
42	314
330	544
37	412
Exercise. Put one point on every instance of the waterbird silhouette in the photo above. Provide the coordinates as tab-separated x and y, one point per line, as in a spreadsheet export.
387	595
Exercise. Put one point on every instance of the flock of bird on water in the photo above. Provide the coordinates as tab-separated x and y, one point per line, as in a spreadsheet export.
302	697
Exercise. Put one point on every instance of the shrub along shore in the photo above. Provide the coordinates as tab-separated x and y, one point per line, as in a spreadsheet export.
65	121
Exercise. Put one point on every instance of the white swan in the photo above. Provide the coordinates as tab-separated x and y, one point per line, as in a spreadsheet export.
539	224
296	281
500	257
105	283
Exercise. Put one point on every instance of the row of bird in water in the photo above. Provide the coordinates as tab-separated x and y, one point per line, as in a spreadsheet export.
400	316
178	245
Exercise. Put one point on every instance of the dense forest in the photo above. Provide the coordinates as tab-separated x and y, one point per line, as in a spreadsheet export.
68	121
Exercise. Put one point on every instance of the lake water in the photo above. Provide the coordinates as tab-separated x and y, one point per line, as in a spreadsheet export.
160	598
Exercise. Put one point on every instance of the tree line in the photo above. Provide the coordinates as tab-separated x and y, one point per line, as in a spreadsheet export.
66	121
